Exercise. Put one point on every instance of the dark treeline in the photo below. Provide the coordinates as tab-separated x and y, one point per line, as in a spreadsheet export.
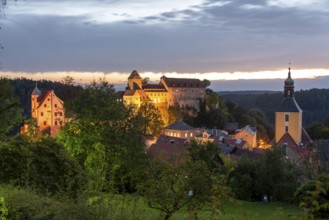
65	90
314	103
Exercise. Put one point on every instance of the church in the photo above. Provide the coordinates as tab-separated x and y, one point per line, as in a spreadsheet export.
289	129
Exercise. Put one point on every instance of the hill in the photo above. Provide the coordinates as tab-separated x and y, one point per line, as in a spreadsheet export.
313	102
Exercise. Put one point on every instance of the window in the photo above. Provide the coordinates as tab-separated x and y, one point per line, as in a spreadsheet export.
287	129
45	123
55	105
191	134
286	117
45	105
41	113
55	113
61	114
48	99
55	122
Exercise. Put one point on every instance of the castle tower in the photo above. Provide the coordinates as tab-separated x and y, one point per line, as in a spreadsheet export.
288	116
34	101
134	81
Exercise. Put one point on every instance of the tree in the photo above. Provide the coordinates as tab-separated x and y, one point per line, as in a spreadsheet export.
153	123
145	80
43	165
169	188
10	113
314	196
106	139
206	83
68	80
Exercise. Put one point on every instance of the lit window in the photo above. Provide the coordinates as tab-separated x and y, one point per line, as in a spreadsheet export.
191	134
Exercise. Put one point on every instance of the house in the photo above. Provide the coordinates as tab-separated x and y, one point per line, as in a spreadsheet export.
211	135
181	130
169	149
48	112
248	134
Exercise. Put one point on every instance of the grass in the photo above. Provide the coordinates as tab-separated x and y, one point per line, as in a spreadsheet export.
242	210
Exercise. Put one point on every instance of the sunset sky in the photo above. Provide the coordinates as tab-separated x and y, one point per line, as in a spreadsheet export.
237	44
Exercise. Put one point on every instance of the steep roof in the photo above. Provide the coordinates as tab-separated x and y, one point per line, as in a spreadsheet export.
288	140
174	152
182	82
36	91
288	104
43	96
165	139
134	75
129	92
179	125
154	88
249	129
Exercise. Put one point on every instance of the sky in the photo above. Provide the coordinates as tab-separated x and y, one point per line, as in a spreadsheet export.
237	44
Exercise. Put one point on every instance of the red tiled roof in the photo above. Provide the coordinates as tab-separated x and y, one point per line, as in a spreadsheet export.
164	139
174	152
44	95
287	139
182	82
129	92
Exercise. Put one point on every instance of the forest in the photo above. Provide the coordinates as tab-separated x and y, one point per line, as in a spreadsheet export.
98	166
313	102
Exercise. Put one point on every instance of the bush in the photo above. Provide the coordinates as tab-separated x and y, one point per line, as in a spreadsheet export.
314	196
44	166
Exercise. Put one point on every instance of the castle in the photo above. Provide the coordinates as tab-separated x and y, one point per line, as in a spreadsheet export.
180	92
48	112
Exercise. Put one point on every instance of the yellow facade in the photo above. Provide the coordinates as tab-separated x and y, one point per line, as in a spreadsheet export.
288	122
250	138
48	111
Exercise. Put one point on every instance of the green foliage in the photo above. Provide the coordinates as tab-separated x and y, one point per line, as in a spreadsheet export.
313	102
152	120
174	113
270	176
106	139
318	131
169	188
314	196
3	209
10	113
44	165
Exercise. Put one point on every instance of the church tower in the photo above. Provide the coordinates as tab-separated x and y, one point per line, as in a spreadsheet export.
288	116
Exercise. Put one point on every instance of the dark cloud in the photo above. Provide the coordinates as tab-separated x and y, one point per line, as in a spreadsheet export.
203	38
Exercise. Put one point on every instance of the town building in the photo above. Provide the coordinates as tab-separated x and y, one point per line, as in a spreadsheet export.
182	92
247	134
180	129
289	130
48	112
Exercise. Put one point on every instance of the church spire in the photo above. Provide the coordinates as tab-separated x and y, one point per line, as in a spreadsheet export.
289	85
